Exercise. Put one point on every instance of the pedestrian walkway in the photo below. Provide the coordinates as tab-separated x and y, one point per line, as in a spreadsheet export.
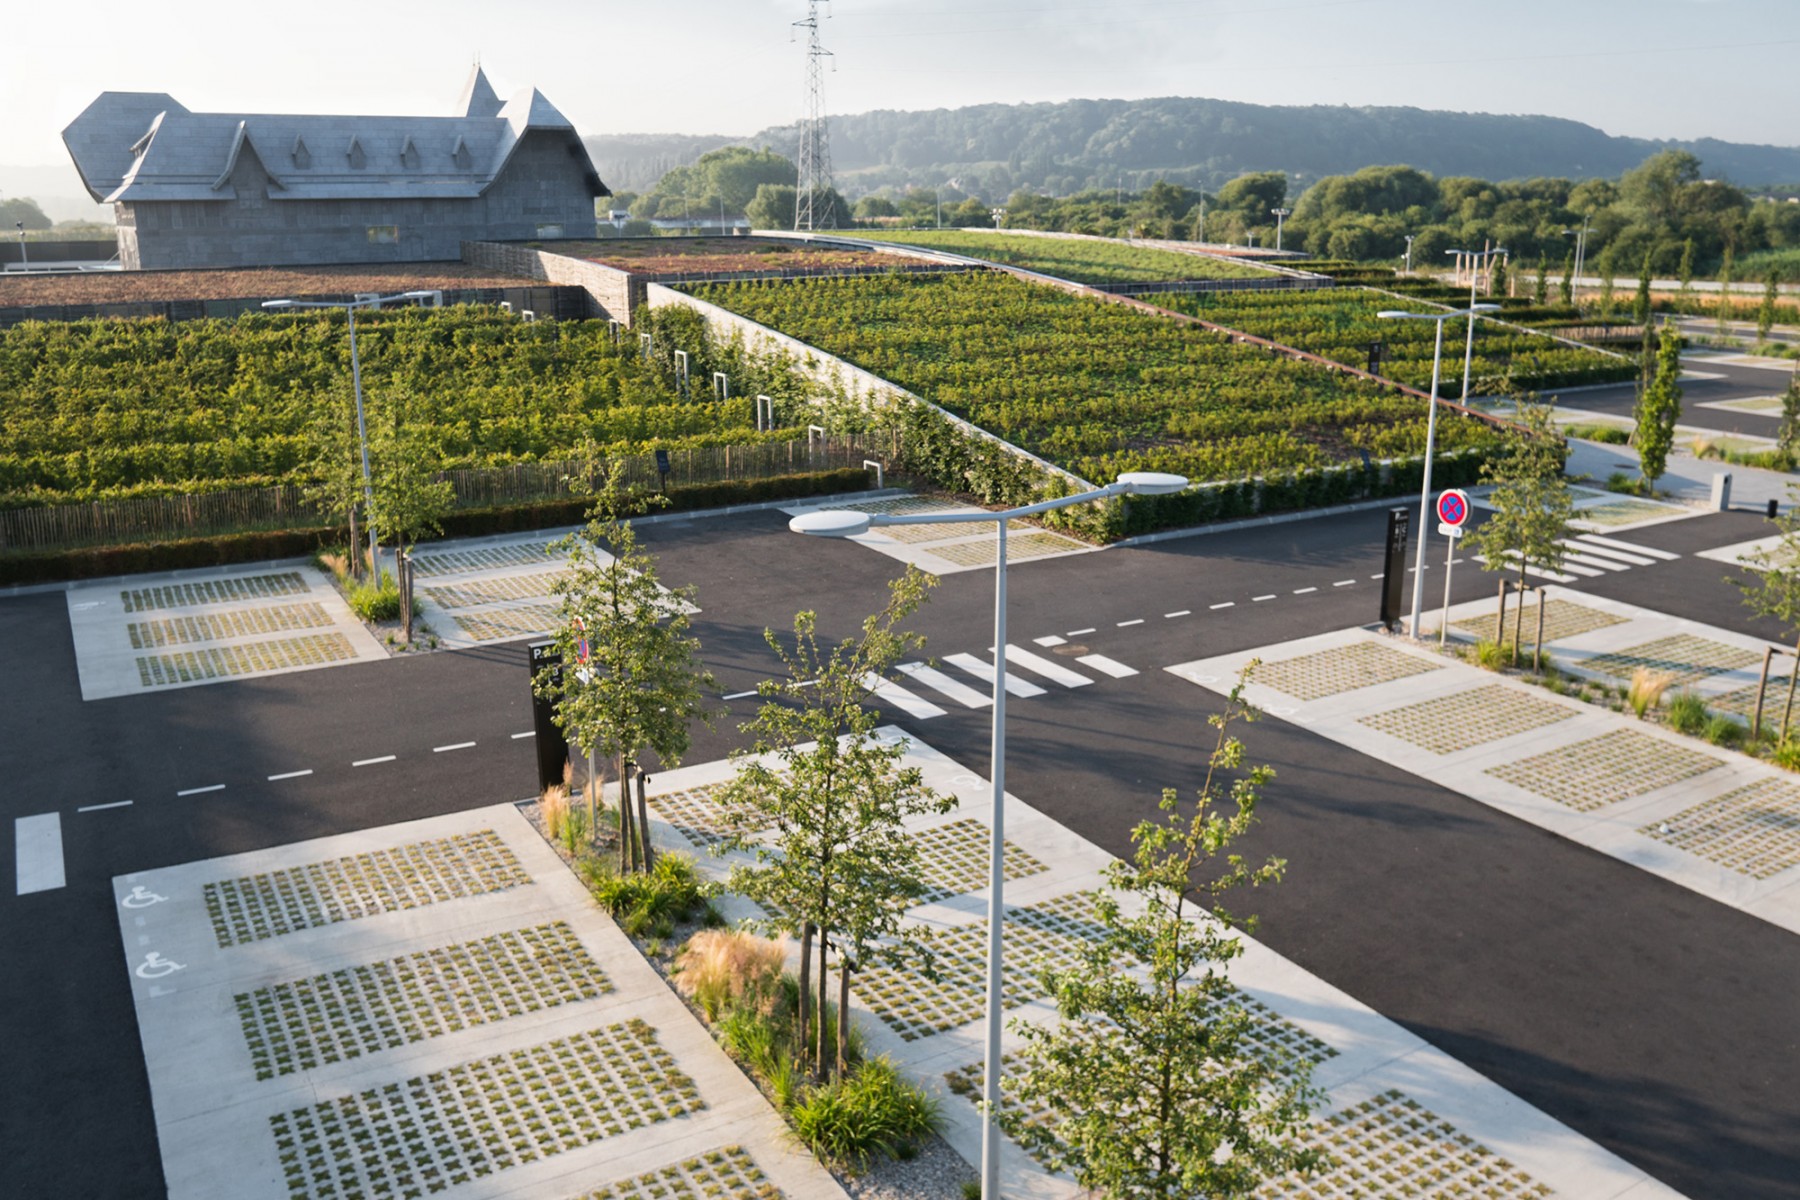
427	1007
1028	674
1403	1118
948	547
1708	818
157	632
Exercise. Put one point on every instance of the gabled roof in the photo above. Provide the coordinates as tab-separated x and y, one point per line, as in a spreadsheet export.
135	146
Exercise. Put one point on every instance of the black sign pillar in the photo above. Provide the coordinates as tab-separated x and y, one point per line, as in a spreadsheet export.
662	468
552	746
1376	350
1394	574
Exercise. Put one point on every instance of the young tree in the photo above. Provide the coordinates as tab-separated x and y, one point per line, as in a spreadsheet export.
1686	271
1532	504
1765	315
334	466
1540	291
640	687
1568	278
1640	308
1497	278
1607	281
410	499
1658	409
1153	1085
1774	588
1787	434
837	863
1725	269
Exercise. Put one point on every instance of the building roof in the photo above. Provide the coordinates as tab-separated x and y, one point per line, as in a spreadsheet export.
136	146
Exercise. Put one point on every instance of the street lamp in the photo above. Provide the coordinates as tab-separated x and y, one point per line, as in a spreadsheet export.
1279	214
998	214
1409	242
362	434
1437	358
24	254
845	523
1580	236
1474	281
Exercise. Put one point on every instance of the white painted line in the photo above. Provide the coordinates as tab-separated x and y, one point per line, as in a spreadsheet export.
290	775
1383	575
1185	612
1053	671
1575	562
1079	632
1107	666
216	787
529	733
899	697
957	690
1127	624
1303	591
1554	576
1260	599
103	807
1343	583
37	844
736	695
369	762
452	746
1227	604
1633	547
984	671
1607	553
1052	640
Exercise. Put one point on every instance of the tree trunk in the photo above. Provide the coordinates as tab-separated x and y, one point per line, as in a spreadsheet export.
353	558
624	819
1537	643
1500	621
643	820
803	1015
843	1014
1793	676
403	564
1519	618
824	1005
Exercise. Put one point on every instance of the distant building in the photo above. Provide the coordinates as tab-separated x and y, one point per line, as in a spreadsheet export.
241	190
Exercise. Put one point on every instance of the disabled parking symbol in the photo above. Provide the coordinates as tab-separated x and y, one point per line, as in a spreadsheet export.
155	966
142	897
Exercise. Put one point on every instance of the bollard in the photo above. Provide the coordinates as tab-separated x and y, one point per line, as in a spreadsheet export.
1774	509
1721	491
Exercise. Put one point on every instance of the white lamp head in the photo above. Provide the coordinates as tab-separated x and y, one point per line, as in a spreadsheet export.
1151	483
278	304
830	522
1395	314
1484	308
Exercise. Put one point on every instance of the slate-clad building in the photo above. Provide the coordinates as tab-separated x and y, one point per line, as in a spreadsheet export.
233	190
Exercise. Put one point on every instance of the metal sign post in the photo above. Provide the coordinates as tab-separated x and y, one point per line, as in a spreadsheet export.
1452	511
552	746
1394	574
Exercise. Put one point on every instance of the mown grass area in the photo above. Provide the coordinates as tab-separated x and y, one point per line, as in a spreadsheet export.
1081	260
1096	388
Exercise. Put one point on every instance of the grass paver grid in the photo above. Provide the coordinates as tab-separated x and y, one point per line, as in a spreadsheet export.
435	1131
915	1007
213	591
1604	770
696	814
940	531
1620	512
726	1174
1742	702
953	859
268	905
361	1010
1563	619
1683	657
486	591
217	662
1754	830
216	627
903	506
458	561
1463	719
507	622
1340	669
1030	545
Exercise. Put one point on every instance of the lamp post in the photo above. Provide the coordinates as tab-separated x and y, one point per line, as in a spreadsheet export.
362	433
1279	214
1580	236
1409	242
844	523
24	254
999	214
1474	281
1437	358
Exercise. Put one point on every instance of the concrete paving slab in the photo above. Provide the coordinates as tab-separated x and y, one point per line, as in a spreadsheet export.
950	547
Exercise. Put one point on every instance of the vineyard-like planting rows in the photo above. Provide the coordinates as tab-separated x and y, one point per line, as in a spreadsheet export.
103	408
1078	259
1340	323
1096	388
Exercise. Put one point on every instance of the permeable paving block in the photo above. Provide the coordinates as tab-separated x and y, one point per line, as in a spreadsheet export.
231	623
1742	701
1563	619
213	591
697	814
981	553
1682	658
438	1130
1463	719
486	591
1754	830
953	859
950	530
219	662
297	1026
1622	512
514	621
343	889
1604	770
1339	669
487	558
727	1174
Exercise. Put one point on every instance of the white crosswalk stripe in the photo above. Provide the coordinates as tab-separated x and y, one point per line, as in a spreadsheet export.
957	690
1614	544
1107	666
1590	556
952	689
899	697
1600	546
984	671
1036	663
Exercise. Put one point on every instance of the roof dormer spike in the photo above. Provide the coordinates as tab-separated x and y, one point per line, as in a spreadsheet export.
478	96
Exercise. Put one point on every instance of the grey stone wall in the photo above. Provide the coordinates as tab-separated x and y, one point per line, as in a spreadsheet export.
614	292
542	187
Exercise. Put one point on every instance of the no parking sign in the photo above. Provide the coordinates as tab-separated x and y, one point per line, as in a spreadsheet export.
1452	511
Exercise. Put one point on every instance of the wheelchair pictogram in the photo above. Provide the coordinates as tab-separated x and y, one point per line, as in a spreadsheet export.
142	897
155	966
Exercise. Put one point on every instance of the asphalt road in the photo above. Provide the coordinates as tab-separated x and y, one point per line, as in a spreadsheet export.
1650	1019
1735	383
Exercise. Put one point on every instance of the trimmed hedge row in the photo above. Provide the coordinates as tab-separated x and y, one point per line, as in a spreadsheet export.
223	550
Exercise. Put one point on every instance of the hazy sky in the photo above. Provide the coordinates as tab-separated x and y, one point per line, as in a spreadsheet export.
1654	68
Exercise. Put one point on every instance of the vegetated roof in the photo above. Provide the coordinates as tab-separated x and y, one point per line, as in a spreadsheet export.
18	290
137	146
693	255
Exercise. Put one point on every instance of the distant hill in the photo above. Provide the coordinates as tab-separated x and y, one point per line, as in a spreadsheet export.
1075	145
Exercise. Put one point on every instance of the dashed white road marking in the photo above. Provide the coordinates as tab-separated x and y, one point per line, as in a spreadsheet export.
1381	576
1079	632
103	807
1185	612
452	746
1052	640
899	697
1343	583
1055	672
200	791
1227	604
1303	591
369	762
1125	624
985	671
531	733
1107	666
1260	599
289	775
38	853
957	690
734	696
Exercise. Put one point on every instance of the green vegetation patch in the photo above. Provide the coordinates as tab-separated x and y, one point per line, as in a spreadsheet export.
1096	388
1079	259
1340	323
